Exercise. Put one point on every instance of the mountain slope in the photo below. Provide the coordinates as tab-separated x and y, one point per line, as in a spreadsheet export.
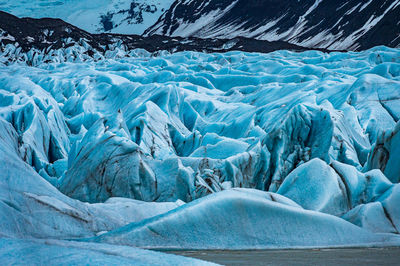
116	16
335	25
343	24
51	38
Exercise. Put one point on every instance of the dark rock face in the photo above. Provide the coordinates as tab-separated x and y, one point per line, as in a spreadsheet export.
45	34
334	25
38	33
342	24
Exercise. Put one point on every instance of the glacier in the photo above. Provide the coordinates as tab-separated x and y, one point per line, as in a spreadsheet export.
260	221
194	150
56	252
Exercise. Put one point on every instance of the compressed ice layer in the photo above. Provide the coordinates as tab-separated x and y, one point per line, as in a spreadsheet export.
372	216
39	252
390	203
179	126
238	219
316	186
32	201
385	154
335	188
167	128
32	207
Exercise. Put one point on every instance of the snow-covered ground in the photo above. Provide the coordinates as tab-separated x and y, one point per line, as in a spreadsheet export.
116	16
194	150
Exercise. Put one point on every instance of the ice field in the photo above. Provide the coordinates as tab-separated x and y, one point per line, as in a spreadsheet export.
199	151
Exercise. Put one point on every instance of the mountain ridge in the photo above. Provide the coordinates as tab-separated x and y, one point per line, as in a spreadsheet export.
48	34
340	25
344	24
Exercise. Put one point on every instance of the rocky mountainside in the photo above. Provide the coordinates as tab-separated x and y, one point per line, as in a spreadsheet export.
46	36
342	24
334	25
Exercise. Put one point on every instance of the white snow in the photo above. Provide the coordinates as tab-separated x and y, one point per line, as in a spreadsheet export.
186	30
365	5
87	14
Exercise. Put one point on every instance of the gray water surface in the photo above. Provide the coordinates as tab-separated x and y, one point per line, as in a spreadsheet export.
345	256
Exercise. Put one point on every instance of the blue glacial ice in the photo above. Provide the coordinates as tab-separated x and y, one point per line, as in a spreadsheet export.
32	207
384	154
245	219
56	252
195	150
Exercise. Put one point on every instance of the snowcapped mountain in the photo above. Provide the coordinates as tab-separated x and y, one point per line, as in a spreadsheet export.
115	16
341	24
46	40
334	25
